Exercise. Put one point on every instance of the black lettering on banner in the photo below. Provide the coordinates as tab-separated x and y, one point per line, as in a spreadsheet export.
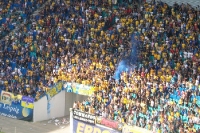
85	117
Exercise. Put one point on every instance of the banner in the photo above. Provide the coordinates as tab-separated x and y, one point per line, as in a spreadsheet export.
27	102
78	88
16	111
82	89
52	91
85	117
81	127
134	129
59	86
109	123
67	87
6	97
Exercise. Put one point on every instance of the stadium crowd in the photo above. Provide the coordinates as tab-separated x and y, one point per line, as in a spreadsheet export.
84	41
162	92
14	12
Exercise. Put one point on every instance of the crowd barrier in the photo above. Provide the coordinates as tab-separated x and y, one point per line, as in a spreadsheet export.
82	122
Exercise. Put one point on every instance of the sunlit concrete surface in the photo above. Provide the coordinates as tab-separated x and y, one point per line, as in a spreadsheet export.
9	125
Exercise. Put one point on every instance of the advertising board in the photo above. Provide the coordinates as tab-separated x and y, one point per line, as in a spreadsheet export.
6	97
109	123
27	102
85	117
81	127
16	111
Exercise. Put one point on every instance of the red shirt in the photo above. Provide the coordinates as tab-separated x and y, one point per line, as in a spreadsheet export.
128	11
173	72
142	74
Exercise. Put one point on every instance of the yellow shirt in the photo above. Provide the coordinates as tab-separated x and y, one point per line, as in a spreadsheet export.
82	108
158	56
162	78
159	131
136	23
177	114
55	80
183	45
161	88
146	16
125	100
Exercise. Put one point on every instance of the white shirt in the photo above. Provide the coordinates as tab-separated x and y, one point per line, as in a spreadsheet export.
104	114
114	1
152	103
185	54
197	83
118	26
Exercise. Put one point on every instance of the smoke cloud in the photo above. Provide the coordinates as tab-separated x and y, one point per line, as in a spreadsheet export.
128	63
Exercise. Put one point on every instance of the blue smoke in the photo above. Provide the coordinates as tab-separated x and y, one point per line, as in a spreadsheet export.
122	67
127	63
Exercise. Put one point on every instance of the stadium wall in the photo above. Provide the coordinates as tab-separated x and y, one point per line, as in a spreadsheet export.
44	109
193	3
57	106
